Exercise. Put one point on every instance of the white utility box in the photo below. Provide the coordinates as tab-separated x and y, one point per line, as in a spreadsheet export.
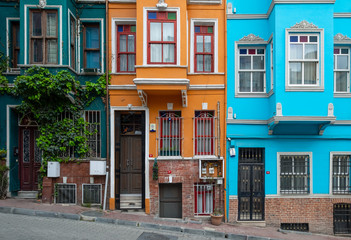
97	167
53	169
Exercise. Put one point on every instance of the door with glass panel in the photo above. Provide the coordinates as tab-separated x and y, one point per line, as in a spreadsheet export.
30	158
251	184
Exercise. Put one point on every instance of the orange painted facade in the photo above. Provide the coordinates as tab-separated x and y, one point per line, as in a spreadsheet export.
153	86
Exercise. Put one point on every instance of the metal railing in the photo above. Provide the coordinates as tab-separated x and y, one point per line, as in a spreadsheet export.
205	133
204	199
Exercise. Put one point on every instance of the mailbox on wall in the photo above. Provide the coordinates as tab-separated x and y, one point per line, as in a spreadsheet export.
211	169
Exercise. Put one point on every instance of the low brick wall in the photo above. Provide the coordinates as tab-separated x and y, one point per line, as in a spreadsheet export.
77	173
185	172
317	212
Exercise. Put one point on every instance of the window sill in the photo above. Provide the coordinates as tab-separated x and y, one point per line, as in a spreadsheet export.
211	73
251	95
169	158
204	1
342	95
160	66
120	73
304	88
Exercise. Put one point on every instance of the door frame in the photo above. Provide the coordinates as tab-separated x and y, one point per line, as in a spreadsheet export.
113	110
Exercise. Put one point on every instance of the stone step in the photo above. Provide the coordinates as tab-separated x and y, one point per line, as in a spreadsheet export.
130	205
27	194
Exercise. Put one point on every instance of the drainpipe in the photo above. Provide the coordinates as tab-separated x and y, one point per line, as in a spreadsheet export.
107	98
226	211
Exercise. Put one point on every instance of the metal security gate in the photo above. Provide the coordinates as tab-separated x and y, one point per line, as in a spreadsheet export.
170	200
251	184
342	218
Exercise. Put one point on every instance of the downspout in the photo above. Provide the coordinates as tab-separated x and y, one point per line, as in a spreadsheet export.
226	211
107	97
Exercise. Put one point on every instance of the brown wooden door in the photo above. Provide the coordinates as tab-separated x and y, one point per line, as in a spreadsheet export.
131	164
30	159
171	200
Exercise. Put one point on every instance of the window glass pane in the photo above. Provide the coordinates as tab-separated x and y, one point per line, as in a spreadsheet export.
336	50
171	16
199	63
152	15
245	62
257	81
52	51
260	51
36	21
245	82
123	62
258	62
295	70
168	53
93	59
51	25
293	38
122	43
310	73
130	43
38	50
120	28
168	32
133	29
295	51
342	62
92	37
313	38
155	31
243	51
344	51
208	44
208	63
73	30
299	164
310	51
156	52
341	81
285	164
131	63
199	44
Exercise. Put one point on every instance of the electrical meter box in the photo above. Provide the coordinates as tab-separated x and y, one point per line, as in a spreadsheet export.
53	169
97	167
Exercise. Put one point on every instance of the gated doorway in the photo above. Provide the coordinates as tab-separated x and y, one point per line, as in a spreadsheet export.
130	166
251	184
171	200
342	218
29	158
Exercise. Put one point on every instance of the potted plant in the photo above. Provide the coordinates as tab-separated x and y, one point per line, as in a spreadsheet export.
217	216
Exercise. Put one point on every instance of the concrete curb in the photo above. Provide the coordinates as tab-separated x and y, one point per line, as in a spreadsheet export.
151	226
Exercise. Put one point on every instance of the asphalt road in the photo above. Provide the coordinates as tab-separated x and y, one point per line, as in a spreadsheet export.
15	227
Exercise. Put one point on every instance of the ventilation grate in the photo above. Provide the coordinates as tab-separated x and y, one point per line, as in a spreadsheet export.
301	227
92	193
65	193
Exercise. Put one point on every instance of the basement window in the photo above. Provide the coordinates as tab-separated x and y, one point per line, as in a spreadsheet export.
300	227
65	193
92	194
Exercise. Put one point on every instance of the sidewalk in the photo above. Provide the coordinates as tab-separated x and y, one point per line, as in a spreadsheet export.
225	230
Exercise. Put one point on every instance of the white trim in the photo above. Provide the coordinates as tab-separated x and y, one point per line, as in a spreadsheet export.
207	87
213	22
121	1
8	32
204	2
342	15
162	81
272	65
112	147
26	29
114	23
311	196
331	174
335	70
122	87
69	39
101	22
310	176
145	30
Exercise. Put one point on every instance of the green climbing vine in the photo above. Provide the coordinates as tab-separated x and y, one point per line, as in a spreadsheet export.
46	97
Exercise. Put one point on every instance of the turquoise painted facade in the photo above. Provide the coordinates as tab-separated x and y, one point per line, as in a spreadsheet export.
19	12
286	118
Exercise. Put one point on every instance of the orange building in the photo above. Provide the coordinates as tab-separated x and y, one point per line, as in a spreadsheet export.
167	104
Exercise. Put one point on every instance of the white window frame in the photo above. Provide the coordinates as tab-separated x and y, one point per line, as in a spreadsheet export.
9	33
319	86
342	70
203	22
252	70
70	14
332	154
272	66
145	35
289	195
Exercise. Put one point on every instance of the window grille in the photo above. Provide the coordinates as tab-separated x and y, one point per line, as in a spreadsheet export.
342	218
301	227
204	199
69	153
170	140
294	174
65	193
92	193
94	141
205	129
341	174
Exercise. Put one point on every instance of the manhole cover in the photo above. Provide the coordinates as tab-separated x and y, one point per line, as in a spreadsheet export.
92	213
155	236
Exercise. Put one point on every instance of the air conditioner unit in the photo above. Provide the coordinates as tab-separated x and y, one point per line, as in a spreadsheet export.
97	167
53	169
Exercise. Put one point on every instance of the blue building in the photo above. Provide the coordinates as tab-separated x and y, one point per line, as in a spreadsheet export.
288	118
57	35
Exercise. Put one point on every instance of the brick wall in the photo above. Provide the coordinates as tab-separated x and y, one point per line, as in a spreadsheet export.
185	172
317	212
77	173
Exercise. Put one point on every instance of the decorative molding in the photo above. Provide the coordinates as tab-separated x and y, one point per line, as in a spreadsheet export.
304	24
122	87
161	4
207	87
251	38
184	99
143	97
342	15
341	38
42	3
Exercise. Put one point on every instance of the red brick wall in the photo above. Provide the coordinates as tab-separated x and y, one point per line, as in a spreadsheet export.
77	173
185	172
317	212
